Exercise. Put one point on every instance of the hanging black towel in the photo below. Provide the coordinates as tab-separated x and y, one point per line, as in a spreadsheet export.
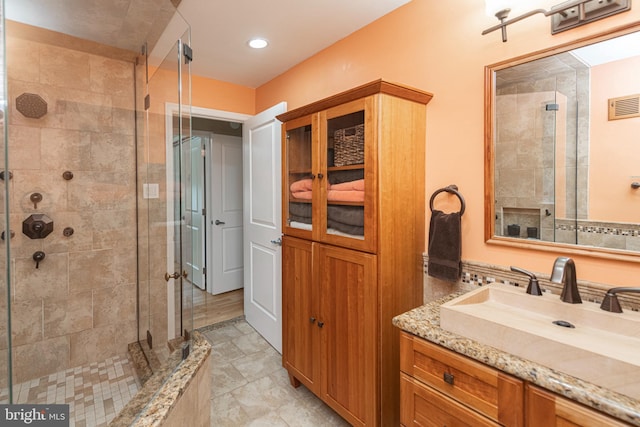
445	245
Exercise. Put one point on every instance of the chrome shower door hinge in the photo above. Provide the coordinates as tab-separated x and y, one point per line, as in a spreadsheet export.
188	53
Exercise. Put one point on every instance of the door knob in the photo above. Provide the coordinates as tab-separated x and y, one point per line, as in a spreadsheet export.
168	276
277	241
218	222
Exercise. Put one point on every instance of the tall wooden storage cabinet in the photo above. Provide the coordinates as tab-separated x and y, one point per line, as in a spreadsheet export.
354	226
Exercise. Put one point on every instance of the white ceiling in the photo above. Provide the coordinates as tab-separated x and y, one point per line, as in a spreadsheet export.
295	29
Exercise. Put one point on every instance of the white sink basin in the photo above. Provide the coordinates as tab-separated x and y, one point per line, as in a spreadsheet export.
603	348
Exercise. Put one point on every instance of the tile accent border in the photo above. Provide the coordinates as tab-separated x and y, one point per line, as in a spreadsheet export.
475	274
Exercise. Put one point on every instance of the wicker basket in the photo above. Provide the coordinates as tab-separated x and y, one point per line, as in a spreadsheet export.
348	146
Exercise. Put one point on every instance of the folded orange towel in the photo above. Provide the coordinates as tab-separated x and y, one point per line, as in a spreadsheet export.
345	196
303	195
301	185
357	185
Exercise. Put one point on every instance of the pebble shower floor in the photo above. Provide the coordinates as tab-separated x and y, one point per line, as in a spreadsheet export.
95	392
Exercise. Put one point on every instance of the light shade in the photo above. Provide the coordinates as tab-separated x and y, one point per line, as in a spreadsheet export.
258	43
494	6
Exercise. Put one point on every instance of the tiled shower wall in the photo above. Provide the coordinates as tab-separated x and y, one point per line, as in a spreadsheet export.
527	168
79	306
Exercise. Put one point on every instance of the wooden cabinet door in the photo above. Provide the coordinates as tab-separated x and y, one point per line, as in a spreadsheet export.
347	187
300	307
545	409
299	176
348	332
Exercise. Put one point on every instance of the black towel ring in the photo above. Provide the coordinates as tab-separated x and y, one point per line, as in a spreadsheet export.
451	189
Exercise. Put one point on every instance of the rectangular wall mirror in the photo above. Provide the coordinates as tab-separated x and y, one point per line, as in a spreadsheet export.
563	147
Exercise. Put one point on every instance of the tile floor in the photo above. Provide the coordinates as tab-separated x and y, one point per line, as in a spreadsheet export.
95	392
250	386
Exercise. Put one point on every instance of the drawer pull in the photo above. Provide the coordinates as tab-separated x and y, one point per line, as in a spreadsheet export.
448	378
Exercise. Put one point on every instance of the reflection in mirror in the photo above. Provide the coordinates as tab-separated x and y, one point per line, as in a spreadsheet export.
565	146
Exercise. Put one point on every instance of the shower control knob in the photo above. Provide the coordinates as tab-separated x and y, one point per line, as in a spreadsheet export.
37	257
37	226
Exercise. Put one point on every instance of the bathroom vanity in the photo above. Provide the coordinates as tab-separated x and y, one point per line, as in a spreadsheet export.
448	379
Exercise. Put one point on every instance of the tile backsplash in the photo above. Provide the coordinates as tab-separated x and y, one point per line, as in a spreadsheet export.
475	274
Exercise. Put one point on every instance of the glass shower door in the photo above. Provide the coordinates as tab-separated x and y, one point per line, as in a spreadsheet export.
165	296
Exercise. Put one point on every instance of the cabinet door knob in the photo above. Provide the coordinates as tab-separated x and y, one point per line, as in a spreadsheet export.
312	319
320	176
448	378
313	176
320	324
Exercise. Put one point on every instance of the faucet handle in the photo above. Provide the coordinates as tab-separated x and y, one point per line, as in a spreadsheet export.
534	286
610	301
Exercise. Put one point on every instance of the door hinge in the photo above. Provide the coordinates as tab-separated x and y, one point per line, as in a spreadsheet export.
204	212
149	339
188	53
204	272
147	102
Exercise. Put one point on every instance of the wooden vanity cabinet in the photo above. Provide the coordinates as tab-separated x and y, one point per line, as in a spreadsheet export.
342	286
546	409
440	387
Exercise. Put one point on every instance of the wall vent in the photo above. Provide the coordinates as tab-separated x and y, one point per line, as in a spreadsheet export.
624	107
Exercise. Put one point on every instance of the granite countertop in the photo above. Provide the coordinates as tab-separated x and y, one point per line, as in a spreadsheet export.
152	404
424	322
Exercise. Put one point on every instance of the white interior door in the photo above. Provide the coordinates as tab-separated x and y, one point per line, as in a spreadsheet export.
262	224
194	207
225	271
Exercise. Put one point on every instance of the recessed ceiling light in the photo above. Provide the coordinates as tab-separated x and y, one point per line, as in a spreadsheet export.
258	43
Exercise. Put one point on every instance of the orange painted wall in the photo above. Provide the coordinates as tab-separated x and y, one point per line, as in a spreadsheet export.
438	47
218	95
614	148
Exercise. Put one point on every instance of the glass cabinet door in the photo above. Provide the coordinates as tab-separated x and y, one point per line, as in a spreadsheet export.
347	211
299	177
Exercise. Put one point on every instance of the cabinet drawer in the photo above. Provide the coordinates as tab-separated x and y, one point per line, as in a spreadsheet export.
421	405
487	390
546	409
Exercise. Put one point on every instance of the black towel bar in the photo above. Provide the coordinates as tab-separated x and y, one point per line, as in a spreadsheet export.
451	189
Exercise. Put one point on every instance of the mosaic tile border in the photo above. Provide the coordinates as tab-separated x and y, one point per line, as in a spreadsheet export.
475	274
615	229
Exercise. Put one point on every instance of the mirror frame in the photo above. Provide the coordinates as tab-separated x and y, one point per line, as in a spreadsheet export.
489	157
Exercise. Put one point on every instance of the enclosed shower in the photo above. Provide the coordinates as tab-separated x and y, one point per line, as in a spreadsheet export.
92	201
541	155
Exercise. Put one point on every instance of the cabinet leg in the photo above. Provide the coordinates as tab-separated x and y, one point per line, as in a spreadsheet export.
294	381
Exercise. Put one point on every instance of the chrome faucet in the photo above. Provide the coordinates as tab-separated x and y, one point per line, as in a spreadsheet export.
610	301
564	272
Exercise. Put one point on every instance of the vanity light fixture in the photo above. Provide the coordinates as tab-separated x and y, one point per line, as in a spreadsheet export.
564	16
258	43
